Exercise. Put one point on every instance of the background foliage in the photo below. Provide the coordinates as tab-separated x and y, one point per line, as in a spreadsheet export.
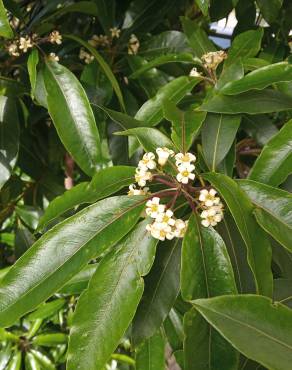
67	224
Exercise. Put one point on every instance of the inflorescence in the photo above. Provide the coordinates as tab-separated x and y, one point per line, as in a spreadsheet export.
164	225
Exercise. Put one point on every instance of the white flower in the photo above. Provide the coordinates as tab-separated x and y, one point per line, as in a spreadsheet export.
154	208
185	173
211	216
55	38
115	32
165	218
13	49
148	161
134	191
88	58
104	41
133	45
194	73
184	158
180	228
213	59
25	43
94	41
141	176
53	57
163	155
159	231
209	197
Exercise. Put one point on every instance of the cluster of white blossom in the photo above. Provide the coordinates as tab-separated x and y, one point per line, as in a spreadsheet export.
212	207
212	59
84	55
133	45
165	226
185	167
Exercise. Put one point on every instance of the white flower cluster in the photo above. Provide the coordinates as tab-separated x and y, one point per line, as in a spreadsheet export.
212	59
213	208
185	167
84	55
55	38
133	45
165	226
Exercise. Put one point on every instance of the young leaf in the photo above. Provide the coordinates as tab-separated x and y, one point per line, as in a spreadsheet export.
9	138
5	29
274	210
103	314
275	161
150	354
251	102
75	117
260	78
185	125
266	338
255	239
162	287
32	63
218	134
83	236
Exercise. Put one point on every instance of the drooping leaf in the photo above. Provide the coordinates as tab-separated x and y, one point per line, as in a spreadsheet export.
76	116
103	314
255	239
218	134
82	237
274	210
260	78
5	29
241	321
251	102
185	125
274	163
150	354
161	290
9	138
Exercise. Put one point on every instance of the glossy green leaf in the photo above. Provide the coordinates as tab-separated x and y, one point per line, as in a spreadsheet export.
9	138
270	9
232	72
47	309
274	210
104	183
274	163
204	6
150	354
265	338
76	116
83	237
124	120
11	87
15	361
149	138
32	63
283	291
31	362
260	78
103	314
50	340
79	282
29	215
255	239
43	360
5	355
185	125
161	290
5	29
260	127
218	134
245	45
197	37
151	112
106	13
104	66
206	272
251	64
251	102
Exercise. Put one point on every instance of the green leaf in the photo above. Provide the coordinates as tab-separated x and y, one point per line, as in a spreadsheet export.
12	88
80	281
218	134
29	215
5	29
151	112
123	119
150	354
245	45
260	127
260	78
161	290
266	338
31	362
32	63
15	361
204	6
283	291
75	117
5	355
164	59
83	236
251	64
106	13
104	66
256	241
270	9
197	37
230	73
149	138
274	164
274	210
43	360
50	340
185	125
9	138
105	182
103	314
47	309
206	272
252	102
